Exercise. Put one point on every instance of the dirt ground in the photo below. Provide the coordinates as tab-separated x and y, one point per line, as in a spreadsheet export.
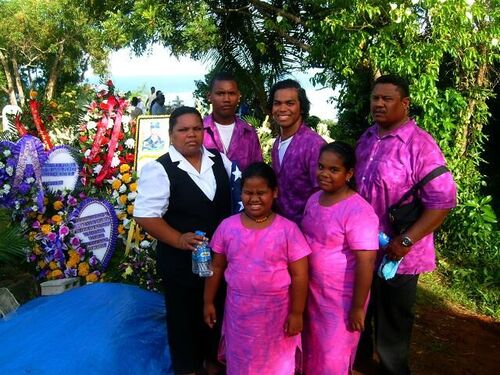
452	341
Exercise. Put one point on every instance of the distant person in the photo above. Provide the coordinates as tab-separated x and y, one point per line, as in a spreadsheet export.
225	131
136	111
295	152
151	97
158	107
154	142
140	104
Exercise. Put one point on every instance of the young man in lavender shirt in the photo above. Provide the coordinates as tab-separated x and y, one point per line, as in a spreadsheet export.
225	131
295	152
392	156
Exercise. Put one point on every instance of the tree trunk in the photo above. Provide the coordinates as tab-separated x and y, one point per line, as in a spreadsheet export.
8	76
54	72
19	83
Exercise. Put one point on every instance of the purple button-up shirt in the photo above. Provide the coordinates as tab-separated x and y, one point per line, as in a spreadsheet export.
389	166
297	175
244	148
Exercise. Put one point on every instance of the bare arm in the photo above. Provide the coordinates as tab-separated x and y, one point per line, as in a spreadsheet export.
365	262
299	274
427	223
212	284
159	229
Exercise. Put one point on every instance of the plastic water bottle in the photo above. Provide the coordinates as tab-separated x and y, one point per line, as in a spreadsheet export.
201	263
383	239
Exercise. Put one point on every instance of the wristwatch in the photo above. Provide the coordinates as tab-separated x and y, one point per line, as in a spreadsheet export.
406	241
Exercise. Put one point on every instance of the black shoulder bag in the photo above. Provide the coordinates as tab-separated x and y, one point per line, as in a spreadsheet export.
402	216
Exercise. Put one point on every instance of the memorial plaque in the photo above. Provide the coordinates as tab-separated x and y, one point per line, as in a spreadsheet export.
96	224
60	171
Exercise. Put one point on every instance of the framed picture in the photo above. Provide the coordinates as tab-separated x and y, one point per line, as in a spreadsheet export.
152	139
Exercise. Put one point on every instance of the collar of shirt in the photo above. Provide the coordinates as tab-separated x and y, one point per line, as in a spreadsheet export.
206	162
403	132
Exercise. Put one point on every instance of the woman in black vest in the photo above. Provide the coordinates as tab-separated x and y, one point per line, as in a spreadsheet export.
185	190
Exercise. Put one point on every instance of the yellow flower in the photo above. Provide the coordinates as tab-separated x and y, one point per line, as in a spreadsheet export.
37	250
33	94
39	218
45	201
83	269
41	264
53	104
121	216
45	228
56	218
52	265
121	229
116	184
91	278
55	274
123	199
124	168
127	177
130	209
58	205
133	186
31	236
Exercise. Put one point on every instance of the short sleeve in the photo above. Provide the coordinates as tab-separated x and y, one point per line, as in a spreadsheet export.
218	241
153	191
297	245
362	226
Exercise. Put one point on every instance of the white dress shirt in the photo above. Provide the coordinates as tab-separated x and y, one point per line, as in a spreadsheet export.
153	190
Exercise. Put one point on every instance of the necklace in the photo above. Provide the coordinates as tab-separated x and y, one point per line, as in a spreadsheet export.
258	221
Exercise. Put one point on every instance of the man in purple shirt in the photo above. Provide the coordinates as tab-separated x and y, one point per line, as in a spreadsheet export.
392	156
225	131
295	152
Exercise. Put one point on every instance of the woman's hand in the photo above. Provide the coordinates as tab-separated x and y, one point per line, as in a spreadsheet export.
294	324
209	314
188	241
357	319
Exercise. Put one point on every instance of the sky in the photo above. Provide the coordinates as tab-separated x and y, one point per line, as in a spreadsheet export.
175	77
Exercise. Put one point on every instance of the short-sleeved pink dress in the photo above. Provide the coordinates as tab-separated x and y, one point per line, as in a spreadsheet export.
333	233
258	295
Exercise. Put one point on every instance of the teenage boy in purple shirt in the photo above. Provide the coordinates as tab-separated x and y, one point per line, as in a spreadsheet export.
225	131
296	150
392	156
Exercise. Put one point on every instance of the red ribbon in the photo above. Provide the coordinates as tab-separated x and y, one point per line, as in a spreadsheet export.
99	135
21	130
42	132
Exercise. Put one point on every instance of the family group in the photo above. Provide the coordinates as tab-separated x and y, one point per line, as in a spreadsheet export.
295	287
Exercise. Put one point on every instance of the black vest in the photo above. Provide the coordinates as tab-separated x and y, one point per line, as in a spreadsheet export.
189	210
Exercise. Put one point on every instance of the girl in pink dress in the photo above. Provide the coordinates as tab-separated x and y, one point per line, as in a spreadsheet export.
263	257
342	230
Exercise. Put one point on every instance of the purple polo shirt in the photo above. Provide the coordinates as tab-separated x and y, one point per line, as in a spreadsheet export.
244	148
388	166
297	175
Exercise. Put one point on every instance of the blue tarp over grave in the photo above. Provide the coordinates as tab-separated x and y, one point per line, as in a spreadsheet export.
102	328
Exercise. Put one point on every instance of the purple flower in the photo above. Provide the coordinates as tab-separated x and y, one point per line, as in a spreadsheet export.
93	261
59	255
70	272
24	188
74	241
32	258
35	225
63	231
82	195
51	236
72	200
80	250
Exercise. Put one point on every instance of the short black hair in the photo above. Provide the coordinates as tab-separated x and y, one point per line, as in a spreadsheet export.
400	82
178	112
305	104
221	76
262	170
346	153
134	101
153	89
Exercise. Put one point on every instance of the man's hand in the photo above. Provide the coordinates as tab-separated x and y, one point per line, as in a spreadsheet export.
395	250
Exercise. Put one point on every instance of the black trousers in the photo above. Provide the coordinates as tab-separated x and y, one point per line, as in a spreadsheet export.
191	341
392	309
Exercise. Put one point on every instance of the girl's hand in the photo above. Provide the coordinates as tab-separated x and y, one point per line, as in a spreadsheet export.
357	319
188	241
209	314
294	324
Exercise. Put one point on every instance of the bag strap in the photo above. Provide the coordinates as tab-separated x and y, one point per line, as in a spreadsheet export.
430	176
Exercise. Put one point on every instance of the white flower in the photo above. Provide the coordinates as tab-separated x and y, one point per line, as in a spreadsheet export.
398	20
111	123
18	205
87	153
115	194
91	125
145	244
9	170
116	161
86	117
279	19
34	208
6	188
97	169
408	11
494	42
469	2
2	165
468	15
122	189
131	196
6	153
130	143
393	6
30	180
126	128
125	119
414	2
